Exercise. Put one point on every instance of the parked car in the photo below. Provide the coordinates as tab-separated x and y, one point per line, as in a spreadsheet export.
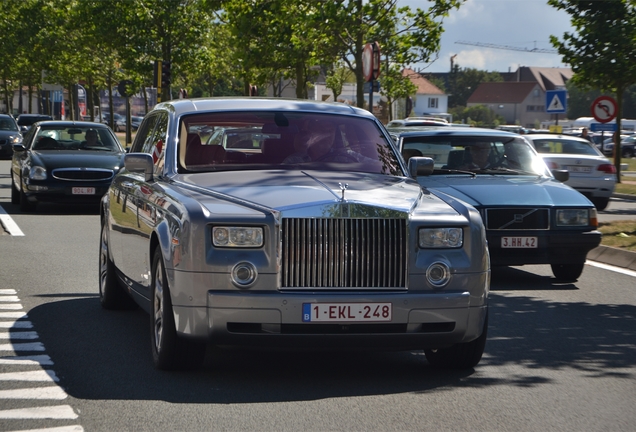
417	122
25	121
292	245
65	162
590	172
135	121
530	217
627	146
9	135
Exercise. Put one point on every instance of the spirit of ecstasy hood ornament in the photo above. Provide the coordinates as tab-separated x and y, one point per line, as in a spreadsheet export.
343	188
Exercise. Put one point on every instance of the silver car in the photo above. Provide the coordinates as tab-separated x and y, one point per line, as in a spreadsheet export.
321	238
591	173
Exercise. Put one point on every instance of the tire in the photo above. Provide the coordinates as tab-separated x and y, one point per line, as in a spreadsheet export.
462	355
112	295
15	194
169	351
25	205
600	203
567	272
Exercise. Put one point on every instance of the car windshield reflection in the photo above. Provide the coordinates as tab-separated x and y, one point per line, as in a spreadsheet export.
75	139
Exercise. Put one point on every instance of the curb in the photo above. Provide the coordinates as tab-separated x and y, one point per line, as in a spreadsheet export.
624	196
613	256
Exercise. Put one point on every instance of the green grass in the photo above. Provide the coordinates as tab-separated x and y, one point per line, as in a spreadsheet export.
619	234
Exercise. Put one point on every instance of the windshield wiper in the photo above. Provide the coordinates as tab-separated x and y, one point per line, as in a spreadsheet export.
505	170
454	171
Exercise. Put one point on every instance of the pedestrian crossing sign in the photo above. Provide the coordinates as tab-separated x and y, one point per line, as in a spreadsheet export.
556	101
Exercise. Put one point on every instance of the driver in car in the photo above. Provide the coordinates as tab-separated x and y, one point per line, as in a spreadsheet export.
91	139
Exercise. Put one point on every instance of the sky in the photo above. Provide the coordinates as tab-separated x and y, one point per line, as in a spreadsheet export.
513	23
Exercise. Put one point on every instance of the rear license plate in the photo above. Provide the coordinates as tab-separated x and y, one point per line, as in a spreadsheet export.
519	242
579	169
339	312
83	191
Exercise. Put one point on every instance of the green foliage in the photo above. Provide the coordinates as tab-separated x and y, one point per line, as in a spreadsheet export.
479	115
462	83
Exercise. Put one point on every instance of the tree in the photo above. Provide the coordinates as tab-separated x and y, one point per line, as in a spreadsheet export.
601	52
462	83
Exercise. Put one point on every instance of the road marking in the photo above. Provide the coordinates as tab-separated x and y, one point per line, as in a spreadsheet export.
36	346
76	428
16	324
16	315
52	412
48	393
10	306
41	360
6	298
34	375
19	335
9	224
612	268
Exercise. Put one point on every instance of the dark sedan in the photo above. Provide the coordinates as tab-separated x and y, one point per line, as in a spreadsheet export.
9	135
530	217
66	162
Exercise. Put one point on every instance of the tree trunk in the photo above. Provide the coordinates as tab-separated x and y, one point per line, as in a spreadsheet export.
617	136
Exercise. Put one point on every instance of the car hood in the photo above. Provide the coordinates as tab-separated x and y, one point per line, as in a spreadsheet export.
489	191
53	159
317	193
5	134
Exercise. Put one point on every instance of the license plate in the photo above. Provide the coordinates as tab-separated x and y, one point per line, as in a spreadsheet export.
83	191
519	242
580	169
346	312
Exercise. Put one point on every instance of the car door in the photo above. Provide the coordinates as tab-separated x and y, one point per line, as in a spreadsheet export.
130	217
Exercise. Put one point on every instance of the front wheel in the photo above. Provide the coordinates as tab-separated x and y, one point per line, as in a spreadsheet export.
462	355
111	294
567	272
600	203
169	351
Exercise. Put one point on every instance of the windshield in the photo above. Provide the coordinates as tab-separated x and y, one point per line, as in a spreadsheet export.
75	138
7	124
476	154
288	141
565	146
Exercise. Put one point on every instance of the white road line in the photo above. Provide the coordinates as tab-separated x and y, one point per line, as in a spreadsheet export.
52	412
45	375
35	346
5	298
612	268
75	428
16	315
23	335
41	360
10	306
6	291
48	393
9	224
13	324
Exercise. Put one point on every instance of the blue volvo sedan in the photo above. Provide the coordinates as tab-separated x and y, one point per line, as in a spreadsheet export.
531	216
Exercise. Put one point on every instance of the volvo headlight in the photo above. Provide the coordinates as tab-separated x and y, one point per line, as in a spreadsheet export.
574	217
441	237
37	173
237	236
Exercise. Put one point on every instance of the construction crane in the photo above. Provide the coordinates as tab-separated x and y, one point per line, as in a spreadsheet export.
511	48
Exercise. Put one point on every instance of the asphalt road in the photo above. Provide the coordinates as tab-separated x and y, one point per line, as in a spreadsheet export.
558	357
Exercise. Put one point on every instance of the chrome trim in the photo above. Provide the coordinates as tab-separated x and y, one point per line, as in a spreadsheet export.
110	173
336	253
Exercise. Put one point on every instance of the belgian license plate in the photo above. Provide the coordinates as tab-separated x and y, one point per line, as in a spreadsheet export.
347	312
580	169
83	191
519	242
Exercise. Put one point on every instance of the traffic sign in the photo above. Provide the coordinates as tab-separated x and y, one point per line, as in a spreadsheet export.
604	109
556	101
603	127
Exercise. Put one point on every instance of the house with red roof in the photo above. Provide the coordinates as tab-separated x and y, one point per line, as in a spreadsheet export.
429	100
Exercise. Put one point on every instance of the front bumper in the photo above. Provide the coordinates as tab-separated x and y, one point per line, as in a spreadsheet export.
419	320
48	192
563	247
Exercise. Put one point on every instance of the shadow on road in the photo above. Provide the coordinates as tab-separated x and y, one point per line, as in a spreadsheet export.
102	354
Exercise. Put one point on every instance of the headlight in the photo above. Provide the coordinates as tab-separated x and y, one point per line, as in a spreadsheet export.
574	217
441	237
37	173
237	236
15	139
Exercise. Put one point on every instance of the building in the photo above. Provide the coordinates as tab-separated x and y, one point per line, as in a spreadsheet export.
521	98
428	99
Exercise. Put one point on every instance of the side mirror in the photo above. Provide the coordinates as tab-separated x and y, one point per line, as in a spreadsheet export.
19	148
421	166
140	163
561	175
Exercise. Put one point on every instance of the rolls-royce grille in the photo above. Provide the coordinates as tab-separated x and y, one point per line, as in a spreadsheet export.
517	219
344	253
80	174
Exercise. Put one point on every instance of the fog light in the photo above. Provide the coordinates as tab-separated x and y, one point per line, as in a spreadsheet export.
438	274
244	274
